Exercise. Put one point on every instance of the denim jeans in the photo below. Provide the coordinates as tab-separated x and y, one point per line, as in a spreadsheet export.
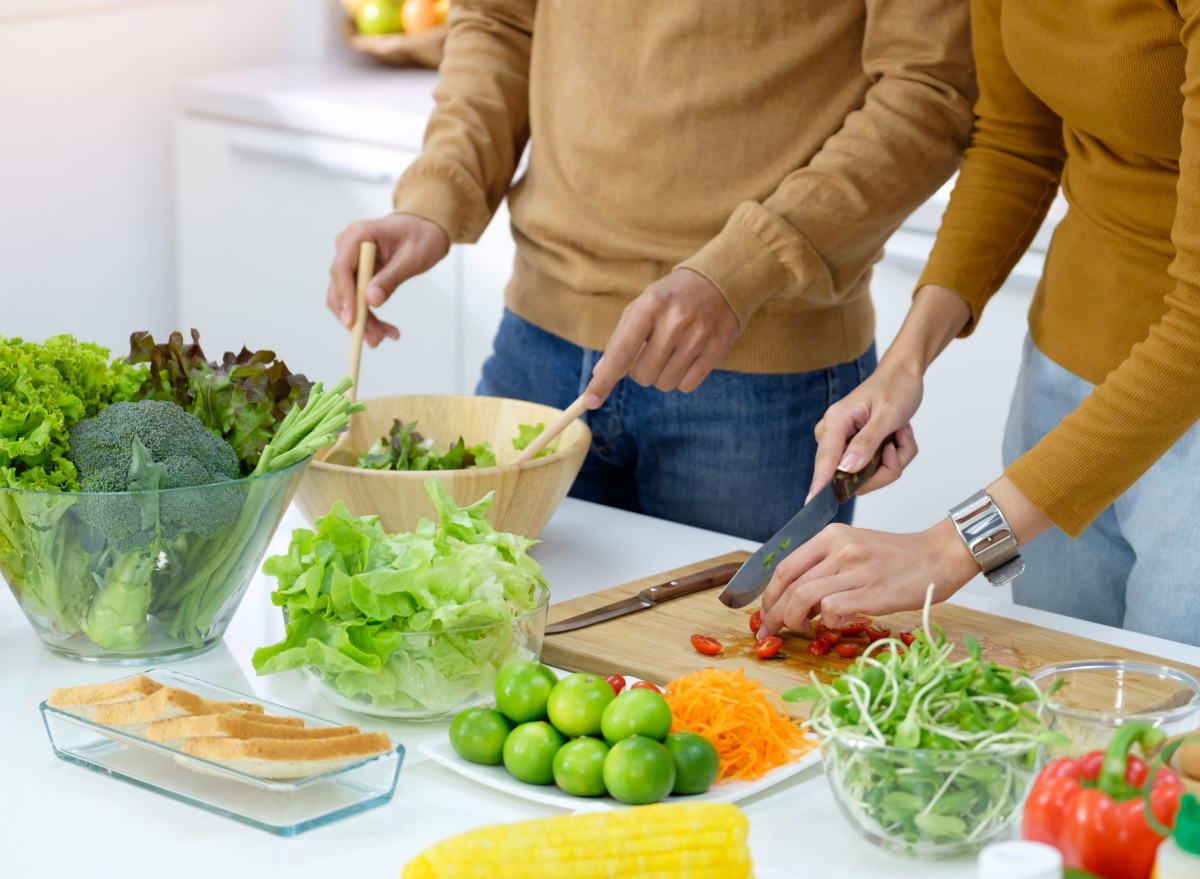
1138	564
734	456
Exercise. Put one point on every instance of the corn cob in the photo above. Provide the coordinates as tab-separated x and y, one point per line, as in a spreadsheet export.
667	841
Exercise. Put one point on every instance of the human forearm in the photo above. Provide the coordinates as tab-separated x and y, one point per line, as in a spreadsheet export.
936	317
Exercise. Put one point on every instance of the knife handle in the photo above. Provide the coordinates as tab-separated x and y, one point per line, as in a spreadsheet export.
846	484
690	584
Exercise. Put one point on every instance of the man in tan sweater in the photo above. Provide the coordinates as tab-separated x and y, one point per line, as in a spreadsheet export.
709	184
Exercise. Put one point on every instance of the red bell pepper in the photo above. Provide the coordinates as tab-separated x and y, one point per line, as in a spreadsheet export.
1092	809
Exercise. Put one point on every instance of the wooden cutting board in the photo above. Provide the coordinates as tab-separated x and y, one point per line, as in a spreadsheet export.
655	644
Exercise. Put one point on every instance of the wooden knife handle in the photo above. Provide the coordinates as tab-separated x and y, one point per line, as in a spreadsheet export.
846	484
690	584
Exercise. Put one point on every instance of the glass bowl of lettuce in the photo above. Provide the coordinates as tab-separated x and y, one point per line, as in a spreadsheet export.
412	626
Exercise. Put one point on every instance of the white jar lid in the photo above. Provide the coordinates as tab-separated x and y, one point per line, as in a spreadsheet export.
1019	859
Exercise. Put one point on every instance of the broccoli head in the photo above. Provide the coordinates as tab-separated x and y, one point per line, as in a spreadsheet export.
146	447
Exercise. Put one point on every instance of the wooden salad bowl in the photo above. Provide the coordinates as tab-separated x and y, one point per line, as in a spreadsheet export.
526	495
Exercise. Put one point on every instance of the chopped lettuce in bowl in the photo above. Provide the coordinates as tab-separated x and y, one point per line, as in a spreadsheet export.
413	625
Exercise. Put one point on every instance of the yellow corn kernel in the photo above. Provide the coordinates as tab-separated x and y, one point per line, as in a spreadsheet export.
667	841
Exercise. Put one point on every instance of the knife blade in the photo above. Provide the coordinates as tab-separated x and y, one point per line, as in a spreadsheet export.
648	598
754	576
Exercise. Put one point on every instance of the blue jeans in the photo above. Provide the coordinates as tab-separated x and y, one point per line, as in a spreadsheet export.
1137	565
734	456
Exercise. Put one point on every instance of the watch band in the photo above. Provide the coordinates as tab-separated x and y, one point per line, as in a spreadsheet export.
985	531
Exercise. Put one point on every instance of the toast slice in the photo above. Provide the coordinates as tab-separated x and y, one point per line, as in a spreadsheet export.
173	733
287	758
82	701
167	703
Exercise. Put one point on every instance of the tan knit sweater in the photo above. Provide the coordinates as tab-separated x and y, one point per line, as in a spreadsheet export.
770	146
1090	95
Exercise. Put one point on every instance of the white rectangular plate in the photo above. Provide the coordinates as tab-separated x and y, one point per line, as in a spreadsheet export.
497	777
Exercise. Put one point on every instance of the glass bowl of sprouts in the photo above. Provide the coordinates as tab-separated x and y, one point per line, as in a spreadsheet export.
926	756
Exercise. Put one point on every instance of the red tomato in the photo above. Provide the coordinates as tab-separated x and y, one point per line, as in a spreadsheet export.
765	648
856	625
755	622
617	682
907	636
847	650
877	632
817	647
829	636
645	685
706	645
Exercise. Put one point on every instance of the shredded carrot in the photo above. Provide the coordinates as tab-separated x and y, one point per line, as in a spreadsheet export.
744	721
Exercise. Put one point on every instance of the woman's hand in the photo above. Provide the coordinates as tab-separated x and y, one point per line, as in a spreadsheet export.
843	571
407	245
672	336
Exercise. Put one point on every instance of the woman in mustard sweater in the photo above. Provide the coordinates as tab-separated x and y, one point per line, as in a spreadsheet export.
1102	453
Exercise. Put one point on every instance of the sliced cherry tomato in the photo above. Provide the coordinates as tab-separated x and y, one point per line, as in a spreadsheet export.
817	647
644	685
877	632
706	645
829	636
617	682
907	636
765	648
856	625
755	622
847	650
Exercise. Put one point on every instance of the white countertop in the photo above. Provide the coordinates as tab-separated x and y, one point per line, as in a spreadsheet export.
57	819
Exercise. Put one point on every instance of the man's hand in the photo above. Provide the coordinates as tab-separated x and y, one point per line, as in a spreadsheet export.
672	336
407	246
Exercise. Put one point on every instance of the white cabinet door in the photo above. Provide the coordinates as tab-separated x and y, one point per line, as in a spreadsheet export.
257	211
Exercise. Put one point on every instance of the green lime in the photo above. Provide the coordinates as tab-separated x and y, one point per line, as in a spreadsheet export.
522	689
638	771
696	762
579	767
636	713
529	752
577	703
379	17
478	735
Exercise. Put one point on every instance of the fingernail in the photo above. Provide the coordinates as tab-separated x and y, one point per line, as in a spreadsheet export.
375	296
591	401
347	317
849	462
810	496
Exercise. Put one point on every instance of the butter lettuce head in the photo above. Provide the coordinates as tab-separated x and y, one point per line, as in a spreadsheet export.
417	621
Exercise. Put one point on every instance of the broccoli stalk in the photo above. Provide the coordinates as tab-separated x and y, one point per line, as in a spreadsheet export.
116	619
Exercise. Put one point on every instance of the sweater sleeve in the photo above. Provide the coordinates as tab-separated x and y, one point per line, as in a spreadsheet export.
1148	402
480	126
825	223
1008	180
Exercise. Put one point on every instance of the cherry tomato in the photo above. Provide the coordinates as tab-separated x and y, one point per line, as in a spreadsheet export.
856	625
644	685
847	650
617	682
829	636
817	647
877	632
706	645
907	636
755	622
765	648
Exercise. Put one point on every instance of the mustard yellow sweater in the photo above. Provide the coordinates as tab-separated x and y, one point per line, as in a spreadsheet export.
772	146
1103	97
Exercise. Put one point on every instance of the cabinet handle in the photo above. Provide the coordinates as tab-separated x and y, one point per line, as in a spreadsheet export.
323	166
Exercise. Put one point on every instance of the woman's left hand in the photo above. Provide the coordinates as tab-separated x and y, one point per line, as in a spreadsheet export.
843	571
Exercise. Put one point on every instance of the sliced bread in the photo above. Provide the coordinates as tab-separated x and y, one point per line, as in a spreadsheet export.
287	758
167	703
82	701
173	733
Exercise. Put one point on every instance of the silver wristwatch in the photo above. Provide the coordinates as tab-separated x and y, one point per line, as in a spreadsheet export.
985	531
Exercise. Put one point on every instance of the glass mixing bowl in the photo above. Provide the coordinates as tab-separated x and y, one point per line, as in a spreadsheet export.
136	577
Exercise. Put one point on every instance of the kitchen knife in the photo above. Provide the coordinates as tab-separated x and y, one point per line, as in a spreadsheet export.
752	579
648	598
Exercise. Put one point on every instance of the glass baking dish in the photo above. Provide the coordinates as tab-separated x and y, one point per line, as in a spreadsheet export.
285	808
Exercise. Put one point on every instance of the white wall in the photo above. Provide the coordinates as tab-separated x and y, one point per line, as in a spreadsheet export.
86	240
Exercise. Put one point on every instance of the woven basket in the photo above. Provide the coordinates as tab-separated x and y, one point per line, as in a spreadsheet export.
399	50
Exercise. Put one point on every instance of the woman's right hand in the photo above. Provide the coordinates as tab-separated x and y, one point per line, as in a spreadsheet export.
854	427
406	244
